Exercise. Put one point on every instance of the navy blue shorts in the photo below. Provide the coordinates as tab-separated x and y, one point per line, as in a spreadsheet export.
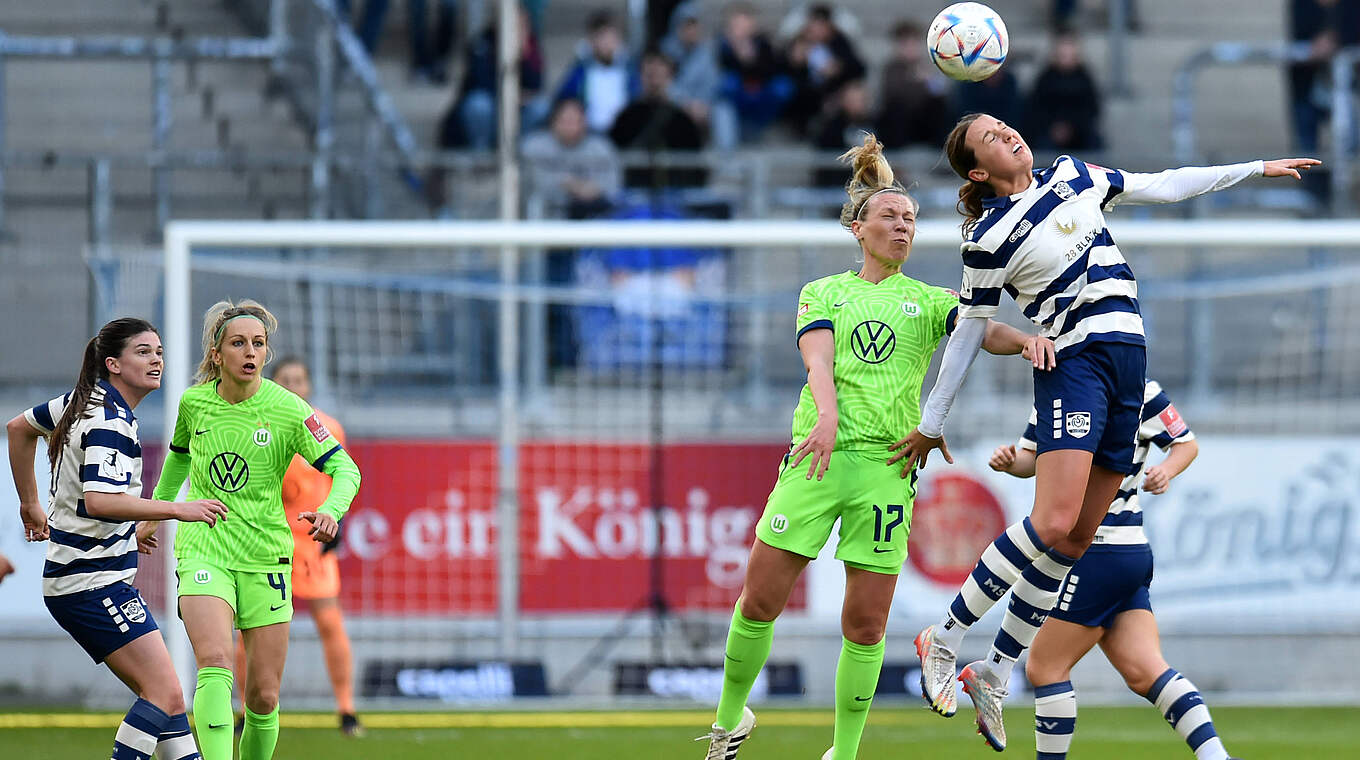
103	620
1106	581
1092	401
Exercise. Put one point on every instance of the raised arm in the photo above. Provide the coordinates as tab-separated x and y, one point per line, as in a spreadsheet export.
22	438
1174	185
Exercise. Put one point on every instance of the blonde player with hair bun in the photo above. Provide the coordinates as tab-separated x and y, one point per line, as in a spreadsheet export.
866	338
235	435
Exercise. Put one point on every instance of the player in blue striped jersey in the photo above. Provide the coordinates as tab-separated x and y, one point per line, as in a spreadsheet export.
93	538
1040	236
1105	599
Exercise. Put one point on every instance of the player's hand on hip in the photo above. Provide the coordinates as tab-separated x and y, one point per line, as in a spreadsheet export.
1040	352
5	567
1002	458
324	527
146	536
35	521
1289	167
1155	480
819	444
204	510
915	448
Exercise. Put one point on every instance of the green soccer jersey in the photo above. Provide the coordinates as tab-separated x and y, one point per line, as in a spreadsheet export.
238	454
885	335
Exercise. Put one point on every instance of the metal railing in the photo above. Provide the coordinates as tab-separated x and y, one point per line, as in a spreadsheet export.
1184	133
320	39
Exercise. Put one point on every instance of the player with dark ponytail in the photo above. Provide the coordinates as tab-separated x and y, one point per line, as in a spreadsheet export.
93	533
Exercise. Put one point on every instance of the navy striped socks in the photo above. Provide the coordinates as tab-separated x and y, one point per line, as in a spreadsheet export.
140	730
1055	720
1001	565
1181	704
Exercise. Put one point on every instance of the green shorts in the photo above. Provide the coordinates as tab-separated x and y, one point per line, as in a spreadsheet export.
256	599
871	499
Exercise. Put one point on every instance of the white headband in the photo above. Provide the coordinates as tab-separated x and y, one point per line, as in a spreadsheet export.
863	205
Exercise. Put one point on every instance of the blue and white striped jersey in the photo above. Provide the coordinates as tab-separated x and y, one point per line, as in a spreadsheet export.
1049	248
103	453
1161	425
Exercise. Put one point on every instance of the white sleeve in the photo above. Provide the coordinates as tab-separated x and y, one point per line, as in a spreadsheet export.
959	354
1175	185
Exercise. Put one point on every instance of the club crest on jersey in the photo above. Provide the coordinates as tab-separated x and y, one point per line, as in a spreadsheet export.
872	341
262	437
202	576
134	611
779	523
1078	424
1021	230
229	472
317	428
1064	190
911	308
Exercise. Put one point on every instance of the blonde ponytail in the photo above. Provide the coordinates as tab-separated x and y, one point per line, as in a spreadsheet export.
870	174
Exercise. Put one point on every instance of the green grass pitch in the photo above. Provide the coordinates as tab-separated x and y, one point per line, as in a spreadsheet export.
895	731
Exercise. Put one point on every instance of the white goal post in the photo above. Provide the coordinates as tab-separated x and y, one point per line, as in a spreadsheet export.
511	238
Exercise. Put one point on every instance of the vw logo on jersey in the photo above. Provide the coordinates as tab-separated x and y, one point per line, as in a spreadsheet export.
872	341
262	437
229	472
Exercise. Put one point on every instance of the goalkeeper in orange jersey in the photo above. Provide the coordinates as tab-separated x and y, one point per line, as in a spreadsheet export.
316	569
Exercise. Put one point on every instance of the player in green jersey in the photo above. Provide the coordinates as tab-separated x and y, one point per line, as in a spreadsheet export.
866	339
234	437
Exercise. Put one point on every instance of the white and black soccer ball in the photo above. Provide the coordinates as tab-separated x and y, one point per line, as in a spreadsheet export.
968	41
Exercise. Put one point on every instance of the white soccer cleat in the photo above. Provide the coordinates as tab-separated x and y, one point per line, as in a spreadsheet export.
938	678
988	693
828	754
723	744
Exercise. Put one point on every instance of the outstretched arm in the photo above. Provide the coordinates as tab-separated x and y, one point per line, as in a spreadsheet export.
1175	185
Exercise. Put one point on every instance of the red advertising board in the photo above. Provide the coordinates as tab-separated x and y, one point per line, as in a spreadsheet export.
421	539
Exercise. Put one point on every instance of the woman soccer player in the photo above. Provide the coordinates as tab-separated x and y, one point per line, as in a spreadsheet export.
866	339
316	570
235	436
96	460
1105	599
1041	236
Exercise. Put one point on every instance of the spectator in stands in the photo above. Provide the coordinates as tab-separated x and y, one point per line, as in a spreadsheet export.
997	95
576	174
654	122
471	121
695	54
1322	26
1064	106
753	88
843	127
914	99
601	78
821	60
429	54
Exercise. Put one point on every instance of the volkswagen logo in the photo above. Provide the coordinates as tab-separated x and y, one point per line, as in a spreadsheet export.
872	341
229	472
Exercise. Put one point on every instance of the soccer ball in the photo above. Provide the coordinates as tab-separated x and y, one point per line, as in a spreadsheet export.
968	41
